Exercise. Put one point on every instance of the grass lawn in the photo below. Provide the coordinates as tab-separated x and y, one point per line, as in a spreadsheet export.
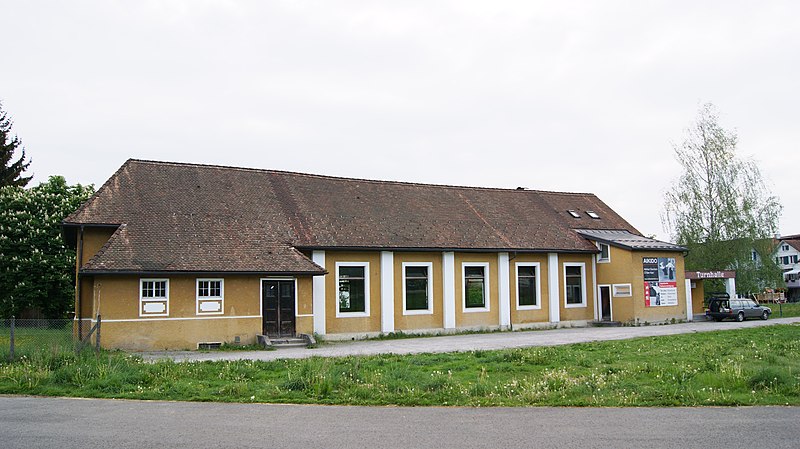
756	366
789	309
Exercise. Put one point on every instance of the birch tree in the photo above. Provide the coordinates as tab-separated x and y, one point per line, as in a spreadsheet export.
720	207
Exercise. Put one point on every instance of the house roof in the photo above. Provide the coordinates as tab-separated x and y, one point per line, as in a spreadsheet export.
628	240
793	241
190	217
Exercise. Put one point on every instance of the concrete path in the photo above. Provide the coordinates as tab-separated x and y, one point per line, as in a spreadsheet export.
28	422
468	342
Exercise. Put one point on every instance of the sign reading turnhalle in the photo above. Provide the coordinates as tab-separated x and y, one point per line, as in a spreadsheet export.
660	287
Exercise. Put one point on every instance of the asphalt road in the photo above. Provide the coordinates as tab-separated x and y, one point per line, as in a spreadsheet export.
28	422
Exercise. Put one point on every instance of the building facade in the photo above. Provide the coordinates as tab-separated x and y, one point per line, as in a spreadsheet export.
176	255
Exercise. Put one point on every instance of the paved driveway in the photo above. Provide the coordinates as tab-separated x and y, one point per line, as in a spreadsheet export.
468	342
44	423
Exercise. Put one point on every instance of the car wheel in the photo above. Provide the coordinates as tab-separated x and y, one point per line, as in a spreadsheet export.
765	315
740	317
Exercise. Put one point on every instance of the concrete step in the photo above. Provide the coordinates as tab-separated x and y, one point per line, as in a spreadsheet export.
288	342
606	323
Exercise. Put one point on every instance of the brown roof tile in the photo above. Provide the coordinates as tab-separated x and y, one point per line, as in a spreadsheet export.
185	217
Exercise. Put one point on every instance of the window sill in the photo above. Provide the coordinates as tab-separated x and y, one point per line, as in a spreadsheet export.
352	315
418	312
575	306
475	309
536	307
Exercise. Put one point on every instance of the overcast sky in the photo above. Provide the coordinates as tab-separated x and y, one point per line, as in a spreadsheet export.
582	96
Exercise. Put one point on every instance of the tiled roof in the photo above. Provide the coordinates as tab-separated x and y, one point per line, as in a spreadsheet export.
627	240
209	218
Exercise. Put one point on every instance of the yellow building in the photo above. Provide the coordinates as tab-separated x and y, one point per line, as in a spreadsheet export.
176	255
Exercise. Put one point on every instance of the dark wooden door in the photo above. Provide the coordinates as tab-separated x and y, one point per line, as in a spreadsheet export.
278	308
605	303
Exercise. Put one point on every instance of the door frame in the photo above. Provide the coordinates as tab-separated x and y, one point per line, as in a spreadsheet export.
610	301
261	297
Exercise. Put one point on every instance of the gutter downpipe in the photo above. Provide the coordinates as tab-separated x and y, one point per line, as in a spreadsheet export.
78	284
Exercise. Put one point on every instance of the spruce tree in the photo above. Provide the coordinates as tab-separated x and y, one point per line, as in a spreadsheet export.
11	172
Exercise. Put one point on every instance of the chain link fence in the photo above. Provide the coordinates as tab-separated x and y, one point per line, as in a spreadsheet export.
27	337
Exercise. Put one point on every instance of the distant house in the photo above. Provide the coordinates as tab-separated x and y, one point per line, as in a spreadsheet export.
174	255
787	256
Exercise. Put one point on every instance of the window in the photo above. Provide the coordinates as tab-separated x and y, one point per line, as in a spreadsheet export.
785	247
575	284
528	286
592	214
785	260
153	297
794	258
754	256
605	253
417	288
352	279
475	289
210	298
574	213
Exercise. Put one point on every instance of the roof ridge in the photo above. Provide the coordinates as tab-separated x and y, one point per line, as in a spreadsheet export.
345	178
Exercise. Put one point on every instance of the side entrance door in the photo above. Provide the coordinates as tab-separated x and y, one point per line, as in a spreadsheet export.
605	303
277	305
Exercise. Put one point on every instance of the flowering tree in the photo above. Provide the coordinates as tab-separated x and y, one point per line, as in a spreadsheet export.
721	208
37	270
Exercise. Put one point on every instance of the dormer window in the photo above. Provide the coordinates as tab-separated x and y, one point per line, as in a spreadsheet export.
592	214
574	213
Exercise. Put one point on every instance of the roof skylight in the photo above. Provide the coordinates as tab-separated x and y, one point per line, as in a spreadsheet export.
592	214
574	213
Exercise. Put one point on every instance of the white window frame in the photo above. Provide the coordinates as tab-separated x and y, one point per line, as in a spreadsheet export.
486	287
164	299
615	290
365	313
537	272
600	258
220	299
429	266
582	266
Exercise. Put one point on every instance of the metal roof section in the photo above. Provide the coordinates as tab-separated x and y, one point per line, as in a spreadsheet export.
628	240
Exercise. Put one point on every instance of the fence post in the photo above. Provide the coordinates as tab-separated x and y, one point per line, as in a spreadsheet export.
13	324
97	337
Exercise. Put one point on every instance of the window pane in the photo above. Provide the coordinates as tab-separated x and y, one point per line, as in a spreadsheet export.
416	294
527	291
474	293
603	251
573	285
351	295
416	272
526	271
473	271
351	272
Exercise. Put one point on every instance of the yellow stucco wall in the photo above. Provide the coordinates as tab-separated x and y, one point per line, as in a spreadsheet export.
371	323
177	334
116	299
433	320
474	318
93	240
533	315
576	313
698	297
619	270
305	306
